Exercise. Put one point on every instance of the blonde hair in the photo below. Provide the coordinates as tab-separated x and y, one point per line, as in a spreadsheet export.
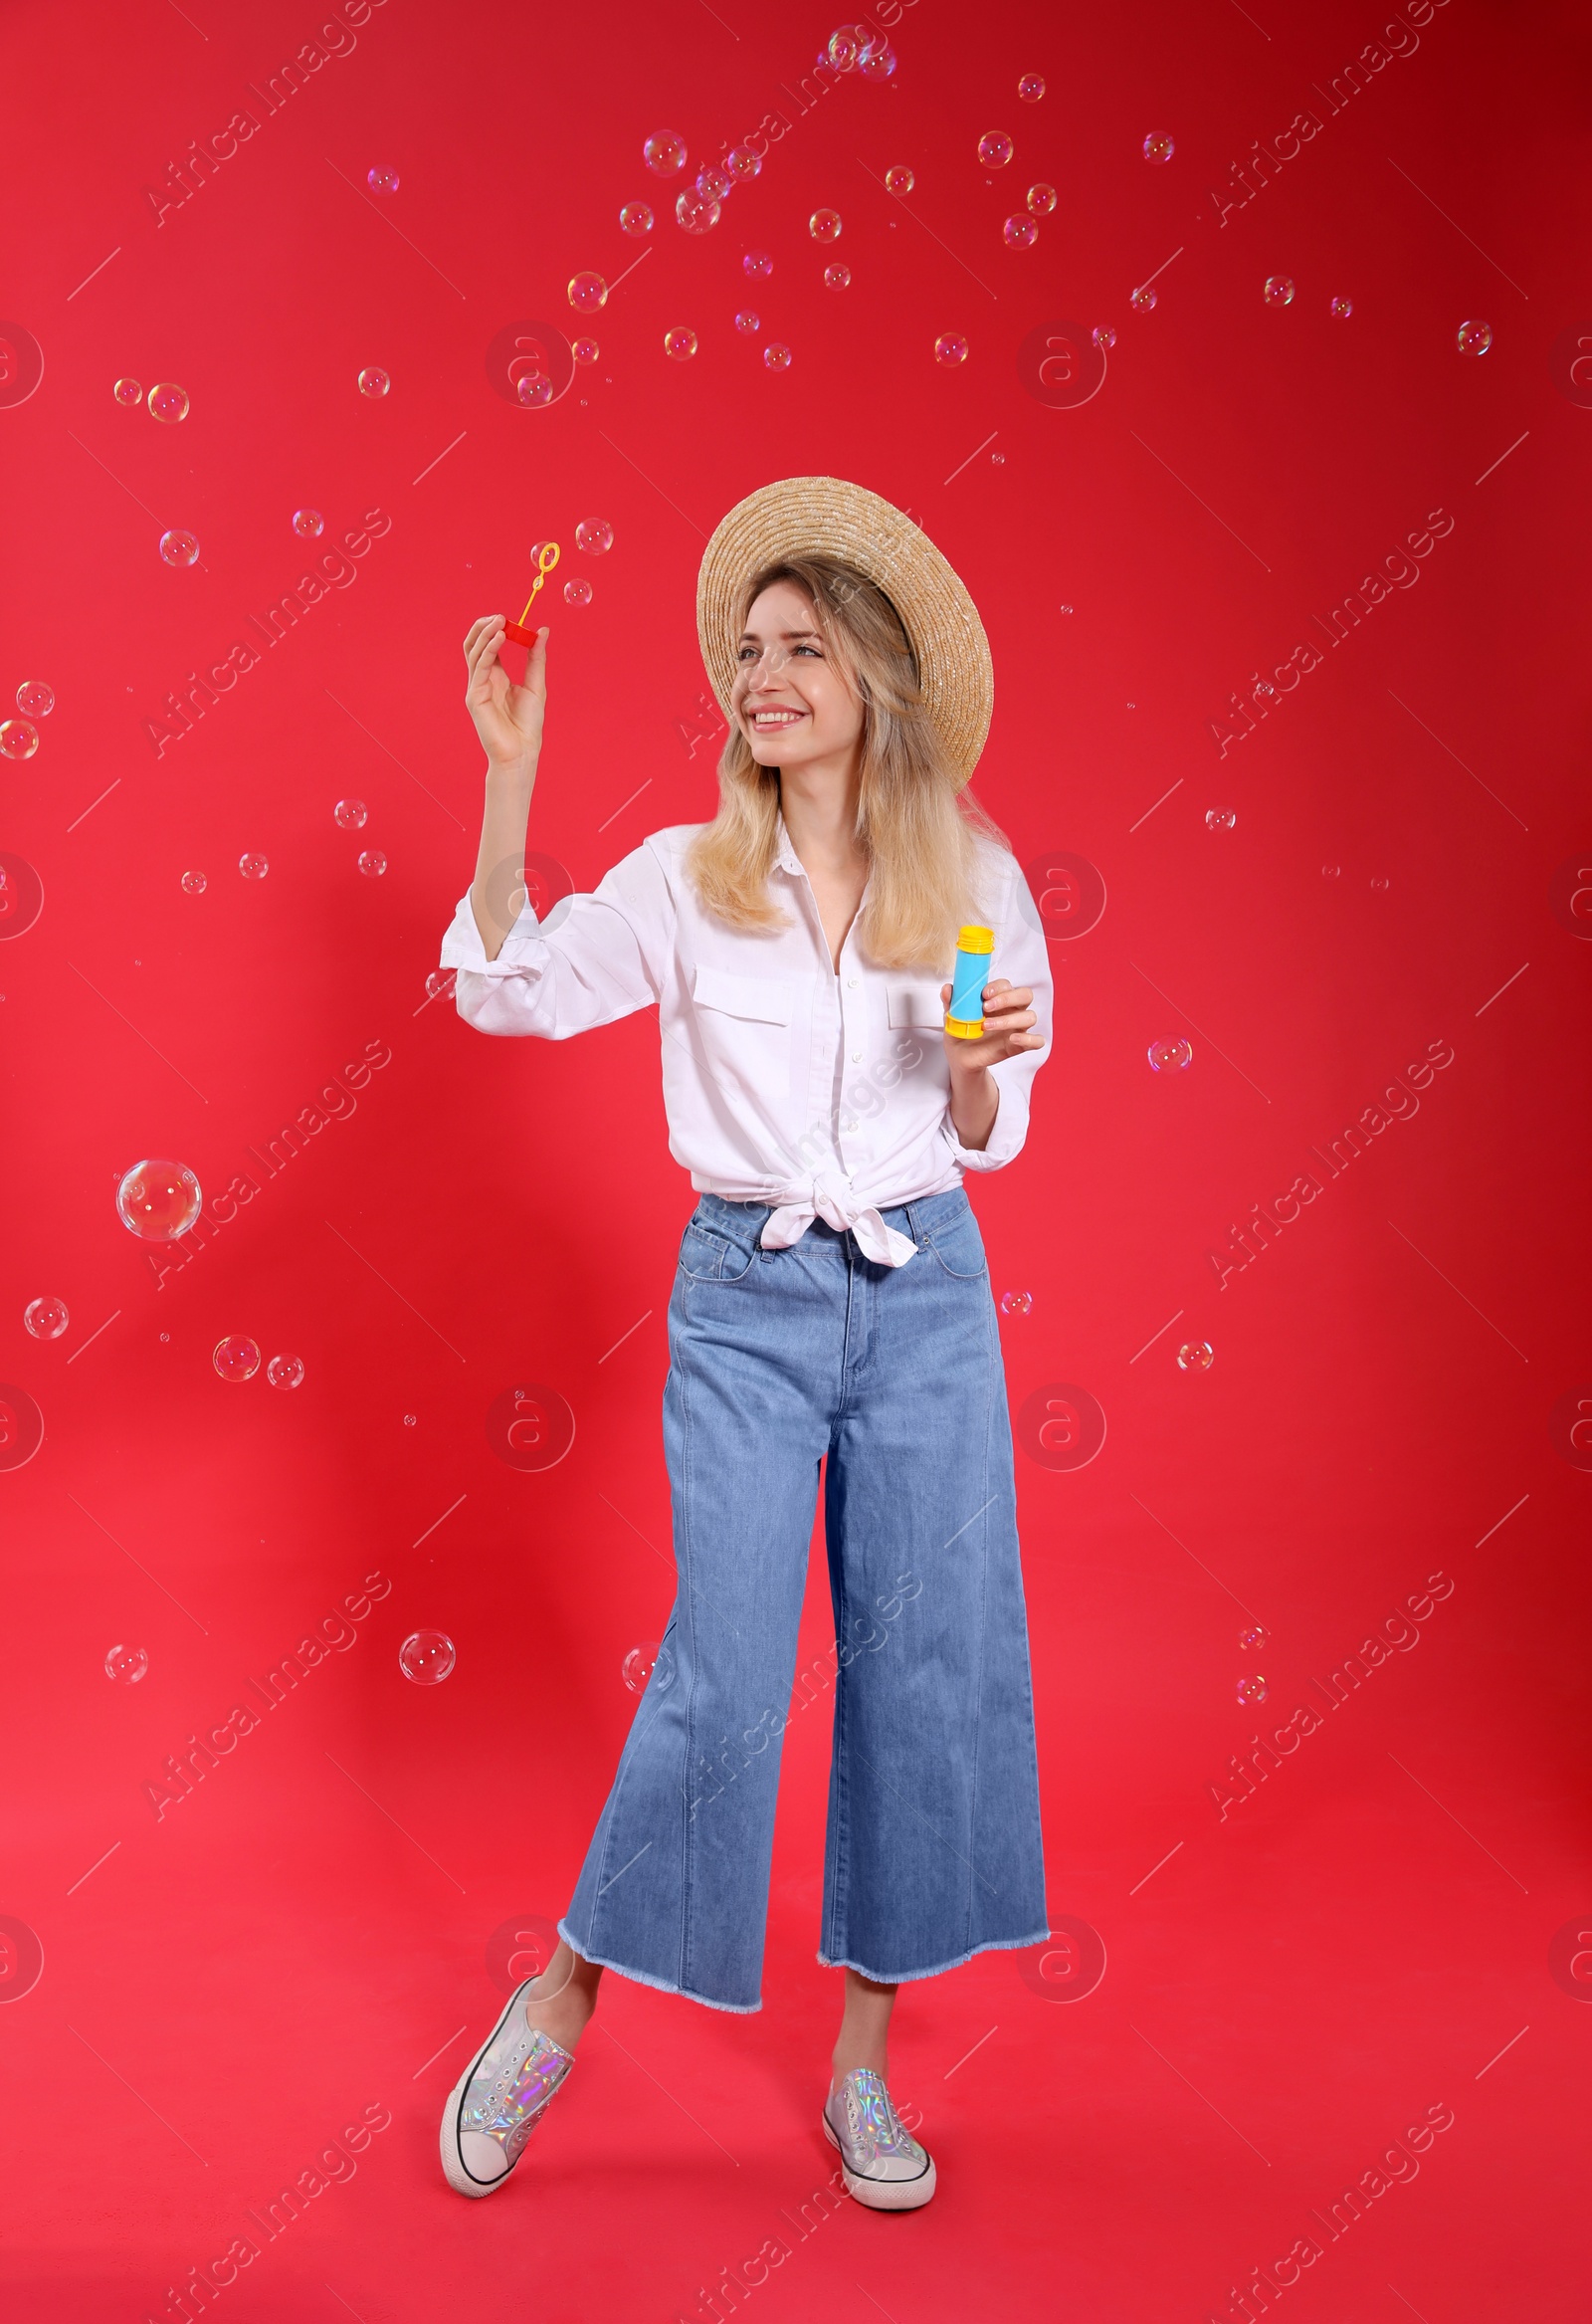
920	836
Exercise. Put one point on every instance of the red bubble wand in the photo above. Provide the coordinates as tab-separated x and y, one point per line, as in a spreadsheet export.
546	559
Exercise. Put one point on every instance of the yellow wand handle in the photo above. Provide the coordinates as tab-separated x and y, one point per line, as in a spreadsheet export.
546	559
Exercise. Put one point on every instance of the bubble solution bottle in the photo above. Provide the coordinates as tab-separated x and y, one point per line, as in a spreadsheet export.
965	1019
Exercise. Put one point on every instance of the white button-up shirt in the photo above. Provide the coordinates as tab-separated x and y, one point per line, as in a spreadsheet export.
823	1093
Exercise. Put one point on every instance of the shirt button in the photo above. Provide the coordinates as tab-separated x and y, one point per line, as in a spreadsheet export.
857	1057
851	982
848	1124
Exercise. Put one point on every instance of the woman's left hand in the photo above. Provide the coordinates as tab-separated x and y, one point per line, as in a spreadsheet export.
1009	1022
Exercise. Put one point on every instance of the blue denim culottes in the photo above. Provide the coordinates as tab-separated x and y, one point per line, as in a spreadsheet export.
778	1357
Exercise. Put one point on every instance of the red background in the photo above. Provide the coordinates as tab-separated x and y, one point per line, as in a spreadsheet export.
1297	1982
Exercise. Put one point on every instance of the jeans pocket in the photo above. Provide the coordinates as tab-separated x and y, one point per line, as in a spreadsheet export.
706	1256
960	1248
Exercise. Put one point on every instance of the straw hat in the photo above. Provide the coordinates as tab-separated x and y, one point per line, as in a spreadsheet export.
820	515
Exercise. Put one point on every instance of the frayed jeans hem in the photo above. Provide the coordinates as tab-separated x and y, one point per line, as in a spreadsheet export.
658	1985
908	1975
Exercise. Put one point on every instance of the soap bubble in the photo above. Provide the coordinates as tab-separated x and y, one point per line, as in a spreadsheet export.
578	592
1042	199
636	218
824	226
1277	290
1252	1690
1252	1641
777	356
742	162
584	350
836	278
1474	338
372	863
126	1664
1019	231
898	179
1220	818
639	1665
594	535
1103	335
587	293
427	1656
285	1372
1017	1303
253	866
878	61
1142	300
439	981
950	347
194	883
309	523
18	740
680	343
1031	88
664	153
758	265
1340	310
179	548
373	380
127	391
696	212
714	184
46	1319
746	322
1171	1055
1378	883
1195	1356
995	148
382	182
846	47
353	814
236	1358
158	1200
169	402
1332	871
532	389
1157	147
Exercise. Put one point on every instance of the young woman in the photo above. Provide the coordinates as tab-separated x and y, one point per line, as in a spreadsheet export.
832	1302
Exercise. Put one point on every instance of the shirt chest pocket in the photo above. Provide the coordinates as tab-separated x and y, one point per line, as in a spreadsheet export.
915	1006
766	1000
747	1027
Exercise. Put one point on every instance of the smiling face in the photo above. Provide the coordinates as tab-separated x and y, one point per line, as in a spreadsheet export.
792	699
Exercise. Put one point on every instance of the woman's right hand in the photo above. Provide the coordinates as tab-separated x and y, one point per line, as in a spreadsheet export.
508	717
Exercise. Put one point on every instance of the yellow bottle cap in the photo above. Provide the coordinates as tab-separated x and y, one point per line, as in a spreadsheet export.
976	940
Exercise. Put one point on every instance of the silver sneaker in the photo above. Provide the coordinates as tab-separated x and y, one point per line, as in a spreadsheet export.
498	2100
883	2165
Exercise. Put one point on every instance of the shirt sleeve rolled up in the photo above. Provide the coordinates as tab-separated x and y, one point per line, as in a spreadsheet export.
1020	956
597	957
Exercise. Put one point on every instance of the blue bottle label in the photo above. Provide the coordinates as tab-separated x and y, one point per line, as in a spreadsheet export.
969	978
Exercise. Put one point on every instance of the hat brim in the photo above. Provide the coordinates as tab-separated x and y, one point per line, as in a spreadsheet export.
805	515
